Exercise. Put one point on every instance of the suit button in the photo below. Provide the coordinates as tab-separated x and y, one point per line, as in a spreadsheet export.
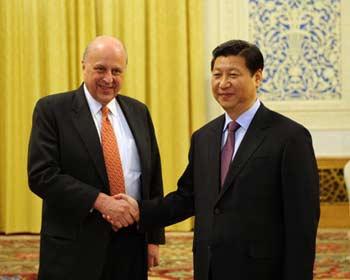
217	211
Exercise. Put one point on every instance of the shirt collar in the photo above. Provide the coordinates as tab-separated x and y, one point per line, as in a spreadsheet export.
244	119
96	106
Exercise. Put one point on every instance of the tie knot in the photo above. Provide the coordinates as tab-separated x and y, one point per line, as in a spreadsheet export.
233	126
105	111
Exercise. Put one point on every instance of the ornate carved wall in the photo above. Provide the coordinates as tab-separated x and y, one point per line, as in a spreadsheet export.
335	208
304	44
332	185
301	44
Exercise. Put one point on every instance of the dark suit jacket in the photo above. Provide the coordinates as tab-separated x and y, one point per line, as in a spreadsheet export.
66	169
262	224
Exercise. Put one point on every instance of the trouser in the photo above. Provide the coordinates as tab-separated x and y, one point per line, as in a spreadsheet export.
126	256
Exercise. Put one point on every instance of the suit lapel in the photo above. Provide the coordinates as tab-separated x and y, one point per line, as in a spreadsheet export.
85	126
251	141
214	152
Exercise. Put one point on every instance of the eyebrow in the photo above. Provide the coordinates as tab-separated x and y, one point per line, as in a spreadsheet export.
103	66
229	69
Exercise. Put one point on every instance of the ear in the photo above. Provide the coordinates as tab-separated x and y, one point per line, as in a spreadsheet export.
258	76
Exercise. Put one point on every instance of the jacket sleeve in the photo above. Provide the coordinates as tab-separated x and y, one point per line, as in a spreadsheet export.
175	206
300	191
46	177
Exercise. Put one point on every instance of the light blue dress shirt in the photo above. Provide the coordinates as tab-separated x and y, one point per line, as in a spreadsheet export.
244	121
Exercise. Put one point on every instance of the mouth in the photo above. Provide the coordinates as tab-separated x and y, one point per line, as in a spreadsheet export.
225	94
106	87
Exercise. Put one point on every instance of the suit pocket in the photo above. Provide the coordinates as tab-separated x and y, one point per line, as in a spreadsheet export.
58	226
60	241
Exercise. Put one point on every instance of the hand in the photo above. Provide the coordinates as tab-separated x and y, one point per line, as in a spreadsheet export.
134	212
153	255
133	203
119	212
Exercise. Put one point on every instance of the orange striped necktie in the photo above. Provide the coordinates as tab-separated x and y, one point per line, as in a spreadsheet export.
111	155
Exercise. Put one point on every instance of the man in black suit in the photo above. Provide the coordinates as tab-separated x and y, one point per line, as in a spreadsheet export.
66	168
258	221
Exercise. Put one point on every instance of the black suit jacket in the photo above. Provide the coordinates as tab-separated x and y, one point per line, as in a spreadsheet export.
66	169
262	223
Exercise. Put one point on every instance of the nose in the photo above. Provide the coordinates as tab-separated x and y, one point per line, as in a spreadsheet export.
224	82
108	77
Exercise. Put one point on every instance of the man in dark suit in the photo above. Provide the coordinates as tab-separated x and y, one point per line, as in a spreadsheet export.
259	219
66	168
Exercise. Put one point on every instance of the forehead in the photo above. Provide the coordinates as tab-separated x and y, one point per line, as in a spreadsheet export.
106	56
230	62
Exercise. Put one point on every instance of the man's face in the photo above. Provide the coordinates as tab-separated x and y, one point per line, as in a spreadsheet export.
233	86
103	69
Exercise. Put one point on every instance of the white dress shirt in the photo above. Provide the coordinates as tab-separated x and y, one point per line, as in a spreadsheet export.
126	143
244	121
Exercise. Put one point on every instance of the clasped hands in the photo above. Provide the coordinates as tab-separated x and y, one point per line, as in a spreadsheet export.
120	210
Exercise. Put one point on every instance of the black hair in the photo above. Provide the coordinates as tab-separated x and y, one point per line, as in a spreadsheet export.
253	57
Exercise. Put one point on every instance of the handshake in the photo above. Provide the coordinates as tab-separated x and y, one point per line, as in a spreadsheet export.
119	210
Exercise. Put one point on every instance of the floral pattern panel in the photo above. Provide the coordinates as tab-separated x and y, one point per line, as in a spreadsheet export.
300	41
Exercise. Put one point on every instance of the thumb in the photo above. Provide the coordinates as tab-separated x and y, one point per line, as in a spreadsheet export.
120	196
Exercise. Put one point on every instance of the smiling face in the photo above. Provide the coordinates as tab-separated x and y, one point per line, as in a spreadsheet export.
233	86
104	67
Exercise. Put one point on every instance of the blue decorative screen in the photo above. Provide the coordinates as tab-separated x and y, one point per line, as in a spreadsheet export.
300	41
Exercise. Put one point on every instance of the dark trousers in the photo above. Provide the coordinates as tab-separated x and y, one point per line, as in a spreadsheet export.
126	256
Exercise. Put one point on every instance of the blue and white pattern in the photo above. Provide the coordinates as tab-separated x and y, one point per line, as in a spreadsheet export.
300	40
